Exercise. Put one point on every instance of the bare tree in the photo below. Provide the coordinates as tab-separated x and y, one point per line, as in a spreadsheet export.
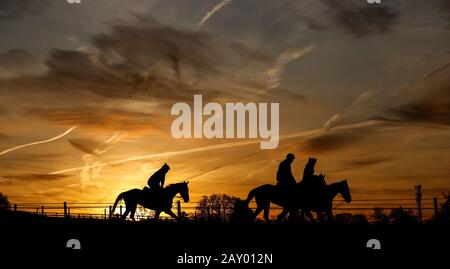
219	205
379	216
4	202
402	216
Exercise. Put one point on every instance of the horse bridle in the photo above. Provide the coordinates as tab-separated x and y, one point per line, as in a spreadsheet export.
342	202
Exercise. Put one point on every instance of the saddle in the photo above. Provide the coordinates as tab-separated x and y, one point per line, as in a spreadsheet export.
154	193
285	190
151	196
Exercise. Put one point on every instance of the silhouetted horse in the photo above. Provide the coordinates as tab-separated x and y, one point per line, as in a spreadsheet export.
298	198
160	201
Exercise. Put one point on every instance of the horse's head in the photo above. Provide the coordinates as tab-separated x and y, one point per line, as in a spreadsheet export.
184	191
344	190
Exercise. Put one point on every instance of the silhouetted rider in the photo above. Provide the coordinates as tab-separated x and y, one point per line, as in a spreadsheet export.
156	181
284	173
316	183
308	172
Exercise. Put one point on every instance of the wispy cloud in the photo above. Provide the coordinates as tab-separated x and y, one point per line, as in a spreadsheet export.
16	63
212	11
310	134
299	135
13	10
424	102
95	117
162	62
275	72
93	150
39	142
367	161
95	147
30	177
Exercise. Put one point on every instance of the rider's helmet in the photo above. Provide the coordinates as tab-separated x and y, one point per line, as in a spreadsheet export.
290	156
166	167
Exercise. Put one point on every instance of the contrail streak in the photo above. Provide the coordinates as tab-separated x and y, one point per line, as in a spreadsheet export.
182	152
212	11
304	134
39	142
275	72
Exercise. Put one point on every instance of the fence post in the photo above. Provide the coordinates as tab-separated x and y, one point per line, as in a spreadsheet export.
15	207
120	211
104	213
42	210
65	209
436	209
110	212
419	201
179	209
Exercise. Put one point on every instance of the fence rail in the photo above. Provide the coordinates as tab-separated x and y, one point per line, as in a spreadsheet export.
101	210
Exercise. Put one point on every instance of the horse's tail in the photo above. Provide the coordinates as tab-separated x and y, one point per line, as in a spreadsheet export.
120	197
250	196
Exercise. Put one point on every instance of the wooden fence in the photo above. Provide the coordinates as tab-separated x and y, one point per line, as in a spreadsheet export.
426	208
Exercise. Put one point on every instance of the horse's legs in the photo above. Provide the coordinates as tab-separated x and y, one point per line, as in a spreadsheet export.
133	211
124	215
266	213
292	214
329	216
282	215
257	211
156	217
302	215
309	215
320	216
170	213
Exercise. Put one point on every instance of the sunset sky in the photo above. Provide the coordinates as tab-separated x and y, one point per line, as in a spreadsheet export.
86	92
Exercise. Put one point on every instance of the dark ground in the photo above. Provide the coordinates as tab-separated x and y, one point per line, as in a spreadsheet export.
165	241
